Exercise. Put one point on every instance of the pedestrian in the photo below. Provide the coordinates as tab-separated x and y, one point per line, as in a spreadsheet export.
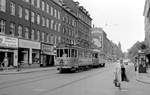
117	79
5	62
124	78
120	73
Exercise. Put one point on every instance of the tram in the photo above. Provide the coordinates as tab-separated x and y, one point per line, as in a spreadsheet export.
73	59
98	59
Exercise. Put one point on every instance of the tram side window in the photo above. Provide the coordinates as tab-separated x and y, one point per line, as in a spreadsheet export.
75	53
72	52
58	52
61	52
95	55
66	52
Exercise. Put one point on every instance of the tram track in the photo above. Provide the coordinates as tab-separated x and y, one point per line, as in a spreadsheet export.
22	81
73	81
51	76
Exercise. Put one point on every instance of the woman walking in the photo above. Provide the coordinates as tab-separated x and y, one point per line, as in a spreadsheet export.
121	74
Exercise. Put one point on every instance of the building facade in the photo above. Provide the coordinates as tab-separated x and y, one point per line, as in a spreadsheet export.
147	22
110	50
32	26
30	30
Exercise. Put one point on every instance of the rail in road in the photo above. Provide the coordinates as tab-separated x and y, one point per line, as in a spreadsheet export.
52	76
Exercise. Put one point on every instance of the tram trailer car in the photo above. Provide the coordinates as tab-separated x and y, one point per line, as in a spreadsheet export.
98	60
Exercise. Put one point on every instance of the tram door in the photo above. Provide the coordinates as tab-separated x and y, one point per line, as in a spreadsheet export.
2	55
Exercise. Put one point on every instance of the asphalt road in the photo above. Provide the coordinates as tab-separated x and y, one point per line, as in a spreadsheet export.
92	82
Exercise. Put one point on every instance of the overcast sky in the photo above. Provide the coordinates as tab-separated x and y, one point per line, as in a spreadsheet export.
122	20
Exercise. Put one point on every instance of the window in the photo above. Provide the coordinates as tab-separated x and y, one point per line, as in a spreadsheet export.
43	34
55	28
12	29
52	22
2	27
26	14
20	12
43	21
55	14
47	37
32	17
38	19
3	5
38	3
20	31
47	23
33	2
58	15
38	35
26	1
55	40
12	8
47	8
59	27
51	11
26	32
32	34
43	6
52	39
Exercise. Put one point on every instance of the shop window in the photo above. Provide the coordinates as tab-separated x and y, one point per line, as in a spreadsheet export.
12	29
20	12
12	8
2	26
35	57
3	5
20	31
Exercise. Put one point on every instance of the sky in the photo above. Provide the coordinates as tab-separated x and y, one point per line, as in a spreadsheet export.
122	20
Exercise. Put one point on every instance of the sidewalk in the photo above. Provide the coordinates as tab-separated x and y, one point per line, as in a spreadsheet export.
144	77
26	70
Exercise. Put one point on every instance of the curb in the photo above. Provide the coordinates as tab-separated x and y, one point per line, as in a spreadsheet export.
142	81
23	72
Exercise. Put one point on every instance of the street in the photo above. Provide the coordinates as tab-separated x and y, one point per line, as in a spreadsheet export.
97	81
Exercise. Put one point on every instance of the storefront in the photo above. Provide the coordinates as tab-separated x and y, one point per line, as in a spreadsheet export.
29	53
47	55
9	49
